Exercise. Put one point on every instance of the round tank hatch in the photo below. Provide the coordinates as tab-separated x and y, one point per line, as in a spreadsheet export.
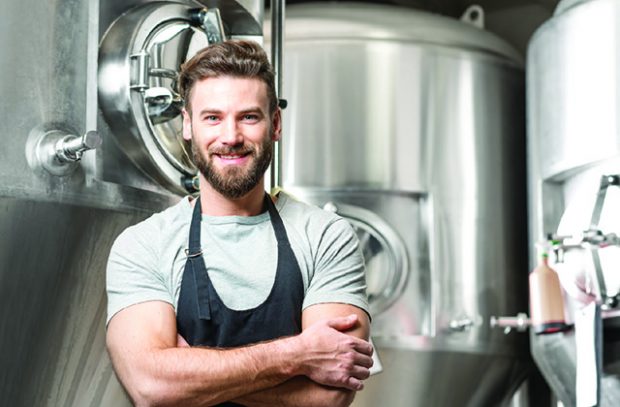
139	59
384	253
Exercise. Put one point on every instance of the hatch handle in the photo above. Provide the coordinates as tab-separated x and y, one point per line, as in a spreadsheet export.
210	21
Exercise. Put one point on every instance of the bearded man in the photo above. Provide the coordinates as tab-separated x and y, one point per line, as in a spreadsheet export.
236	297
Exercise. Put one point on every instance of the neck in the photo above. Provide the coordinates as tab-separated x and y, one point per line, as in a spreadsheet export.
215	204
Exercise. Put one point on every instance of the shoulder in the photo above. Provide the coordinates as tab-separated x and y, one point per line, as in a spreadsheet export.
320	230
146	234
307	216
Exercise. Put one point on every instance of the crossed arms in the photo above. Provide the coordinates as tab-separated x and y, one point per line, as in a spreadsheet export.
322	366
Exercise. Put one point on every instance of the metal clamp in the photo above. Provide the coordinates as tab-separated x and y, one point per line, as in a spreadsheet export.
192	255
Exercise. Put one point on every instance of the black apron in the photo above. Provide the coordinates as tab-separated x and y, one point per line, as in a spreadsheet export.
204	320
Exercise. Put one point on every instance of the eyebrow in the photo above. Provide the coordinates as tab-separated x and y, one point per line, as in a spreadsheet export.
253	109
208	110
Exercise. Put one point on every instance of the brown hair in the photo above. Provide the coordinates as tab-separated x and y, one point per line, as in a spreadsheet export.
243	59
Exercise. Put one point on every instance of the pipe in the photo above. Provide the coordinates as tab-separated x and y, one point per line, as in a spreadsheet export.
277	34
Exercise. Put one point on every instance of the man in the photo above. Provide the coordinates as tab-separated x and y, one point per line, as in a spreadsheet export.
264	304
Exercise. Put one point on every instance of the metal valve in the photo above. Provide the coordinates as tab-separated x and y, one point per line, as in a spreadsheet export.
521	323
59	151
464	323
70	148
461	325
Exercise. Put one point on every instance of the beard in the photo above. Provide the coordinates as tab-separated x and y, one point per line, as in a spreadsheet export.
234	181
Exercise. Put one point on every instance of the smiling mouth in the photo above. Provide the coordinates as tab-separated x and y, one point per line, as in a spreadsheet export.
235	158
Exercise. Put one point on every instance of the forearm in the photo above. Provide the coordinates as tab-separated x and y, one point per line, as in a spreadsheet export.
155	370
299	391
205	376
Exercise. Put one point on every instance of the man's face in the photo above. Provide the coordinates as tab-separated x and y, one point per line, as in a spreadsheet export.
232	133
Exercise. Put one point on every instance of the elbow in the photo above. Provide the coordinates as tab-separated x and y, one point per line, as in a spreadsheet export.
149	393
336	398
144	396
344	399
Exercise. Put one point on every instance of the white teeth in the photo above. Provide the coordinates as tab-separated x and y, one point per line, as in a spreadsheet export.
230	157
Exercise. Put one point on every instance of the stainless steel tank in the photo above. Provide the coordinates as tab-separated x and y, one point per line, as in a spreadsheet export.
411	125
574	160
62	205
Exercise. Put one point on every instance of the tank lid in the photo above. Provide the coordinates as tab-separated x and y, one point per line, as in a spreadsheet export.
383	22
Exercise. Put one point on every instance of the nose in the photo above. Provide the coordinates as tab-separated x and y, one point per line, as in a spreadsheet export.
231	133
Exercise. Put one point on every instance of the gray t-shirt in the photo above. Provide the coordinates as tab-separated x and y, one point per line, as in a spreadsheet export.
147	260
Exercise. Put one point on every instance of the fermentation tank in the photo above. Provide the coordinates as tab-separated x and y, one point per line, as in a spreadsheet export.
573	86
411	125
90	145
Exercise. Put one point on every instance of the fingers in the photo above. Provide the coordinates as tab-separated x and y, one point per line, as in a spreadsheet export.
359	367
336	358
343	323
363	347
363	360
354	384
360	373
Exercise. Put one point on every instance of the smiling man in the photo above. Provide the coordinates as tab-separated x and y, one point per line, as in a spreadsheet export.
237	297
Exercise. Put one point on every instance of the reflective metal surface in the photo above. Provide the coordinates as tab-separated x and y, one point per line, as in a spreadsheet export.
392	230
57	227
139	60
573	139
53	305
420	120
387	262
409	366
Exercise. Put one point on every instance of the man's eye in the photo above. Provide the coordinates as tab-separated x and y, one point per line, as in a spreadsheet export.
250	117
210	118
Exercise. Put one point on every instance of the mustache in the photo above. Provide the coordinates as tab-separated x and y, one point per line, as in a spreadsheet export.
225	150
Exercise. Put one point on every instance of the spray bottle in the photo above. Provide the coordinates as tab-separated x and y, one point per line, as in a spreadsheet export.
546	299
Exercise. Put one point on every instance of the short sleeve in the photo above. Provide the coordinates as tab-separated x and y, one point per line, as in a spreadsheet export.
339	272
132	274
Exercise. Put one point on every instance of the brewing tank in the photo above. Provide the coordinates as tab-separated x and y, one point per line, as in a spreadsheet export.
75	171
411	126
574	163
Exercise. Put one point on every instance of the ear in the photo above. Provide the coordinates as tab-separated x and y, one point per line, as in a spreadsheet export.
276	125
187	125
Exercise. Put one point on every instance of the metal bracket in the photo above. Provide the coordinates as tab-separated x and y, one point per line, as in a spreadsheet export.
592	240
210	21
139	71
474	15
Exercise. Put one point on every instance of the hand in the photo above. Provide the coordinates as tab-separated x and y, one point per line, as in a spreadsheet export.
333	358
